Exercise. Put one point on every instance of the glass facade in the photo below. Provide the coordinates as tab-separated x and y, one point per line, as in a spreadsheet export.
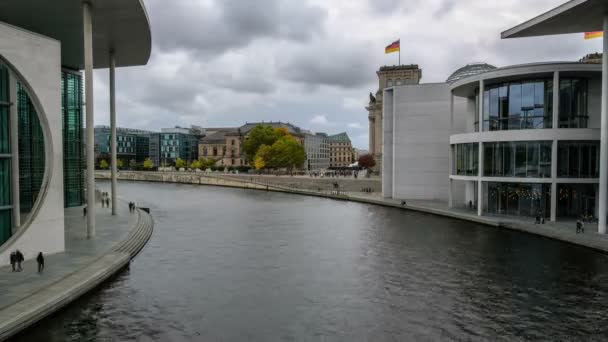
519	199
517	159
73	151
576	200
31	151
467	159
5	161
573	103
578	159
518	105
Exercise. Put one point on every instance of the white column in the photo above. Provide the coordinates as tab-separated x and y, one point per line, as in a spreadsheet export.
450	195
479	182
113	130
556	100
14	136
451	153
553	180
601	228
87	21
480	156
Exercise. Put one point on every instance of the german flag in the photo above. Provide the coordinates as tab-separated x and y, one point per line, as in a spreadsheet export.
393	47
594	34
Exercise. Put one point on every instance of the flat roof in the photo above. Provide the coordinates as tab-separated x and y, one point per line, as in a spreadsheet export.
574	16
120	25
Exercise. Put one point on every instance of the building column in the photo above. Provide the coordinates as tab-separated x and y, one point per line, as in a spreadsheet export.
371	135
451	152
480	152
87	22
555	100
450	195
553	216
14	136
601	228
113	130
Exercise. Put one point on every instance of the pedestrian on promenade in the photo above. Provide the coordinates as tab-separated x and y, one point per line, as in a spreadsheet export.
579	227
20	259
40	260
84	211
107	202
13	260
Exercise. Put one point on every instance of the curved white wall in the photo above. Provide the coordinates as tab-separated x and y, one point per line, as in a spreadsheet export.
38	60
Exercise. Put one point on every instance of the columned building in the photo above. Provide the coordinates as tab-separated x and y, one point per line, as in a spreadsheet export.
43	47
388	76
532	141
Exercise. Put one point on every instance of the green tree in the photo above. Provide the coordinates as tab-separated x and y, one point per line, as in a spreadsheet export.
120	163
179	163
262	157
260	135
148	165
132	164
367	161
197	164
103	164
287	152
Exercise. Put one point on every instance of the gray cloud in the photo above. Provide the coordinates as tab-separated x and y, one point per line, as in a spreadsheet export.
214	27
445	7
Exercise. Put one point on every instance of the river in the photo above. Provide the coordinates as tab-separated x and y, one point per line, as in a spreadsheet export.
244	265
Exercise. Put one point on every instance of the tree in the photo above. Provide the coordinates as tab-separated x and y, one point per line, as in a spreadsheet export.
179	163
367	161
132	164
120	163
103	164
262	157
148	165
287	152
260	135
197	164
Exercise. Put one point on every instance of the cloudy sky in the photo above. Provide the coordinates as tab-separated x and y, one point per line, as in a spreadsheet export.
309	62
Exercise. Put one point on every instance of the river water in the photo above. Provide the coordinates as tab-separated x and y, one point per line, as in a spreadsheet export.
244	265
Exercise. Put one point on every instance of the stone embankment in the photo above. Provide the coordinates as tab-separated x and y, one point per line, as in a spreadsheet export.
80	269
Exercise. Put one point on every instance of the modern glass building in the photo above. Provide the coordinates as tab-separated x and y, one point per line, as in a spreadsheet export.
131	144
536	150
43	47
317	151
173	143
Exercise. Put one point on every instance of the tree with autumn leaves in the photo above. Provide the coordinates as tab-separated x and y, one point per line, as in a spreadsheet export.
273	148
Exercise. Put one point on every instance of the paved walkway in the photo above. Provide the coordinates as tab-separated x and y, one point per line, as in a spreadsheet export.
83	265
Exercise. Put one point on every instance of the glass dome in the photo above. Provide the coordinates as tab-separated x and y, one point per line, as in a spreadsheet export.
469	70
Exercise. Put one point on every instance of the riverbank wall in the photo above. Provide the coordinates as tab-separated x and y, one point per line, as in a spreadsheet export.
350	190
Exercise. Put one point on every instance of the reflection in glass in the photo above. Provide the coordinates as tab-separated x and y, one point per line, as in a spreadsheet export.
518	105
578	159
519	199
517	159
576	200
573	103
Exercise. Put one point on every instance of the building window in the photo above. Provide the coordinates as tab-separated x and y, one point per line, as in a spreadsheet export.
389	83
518	105
573	103
519	199
578	159
215	151
576	200
517	159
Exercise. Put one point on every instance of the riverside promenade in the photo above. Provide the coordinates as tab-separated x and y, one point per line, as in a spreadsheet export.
564	231
28	297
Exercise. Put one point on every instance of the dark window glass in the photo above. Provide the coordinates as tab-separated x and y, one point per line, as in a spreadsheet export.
578	159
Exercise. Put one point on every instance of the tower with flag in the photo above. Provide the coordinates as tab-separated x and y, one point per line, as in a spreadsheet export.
394	47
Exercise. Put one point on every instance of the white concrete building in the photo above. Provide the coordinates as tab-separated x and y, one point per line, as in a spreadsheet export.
43	47
536	150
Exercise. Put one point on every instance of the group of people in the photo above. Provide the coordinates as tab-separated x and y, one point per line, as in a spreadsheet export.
540	218
16	258
105	200
132	207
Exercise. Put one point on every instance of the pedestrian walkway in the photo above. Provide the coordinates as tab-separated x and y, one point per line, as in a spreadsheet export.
83	265
562	230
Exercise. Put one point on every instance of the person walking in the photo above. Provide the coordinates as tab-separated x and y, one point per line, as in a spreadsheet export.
20	259
40	261
13	258
579	226
84	211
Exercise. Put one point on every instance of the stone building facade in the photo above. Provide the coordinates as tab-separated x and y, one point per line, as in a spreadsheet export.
340	150
388	76
225	144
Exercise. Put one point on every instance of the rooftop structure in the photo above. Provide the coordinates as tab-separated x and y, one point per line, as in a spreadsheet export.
469	70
